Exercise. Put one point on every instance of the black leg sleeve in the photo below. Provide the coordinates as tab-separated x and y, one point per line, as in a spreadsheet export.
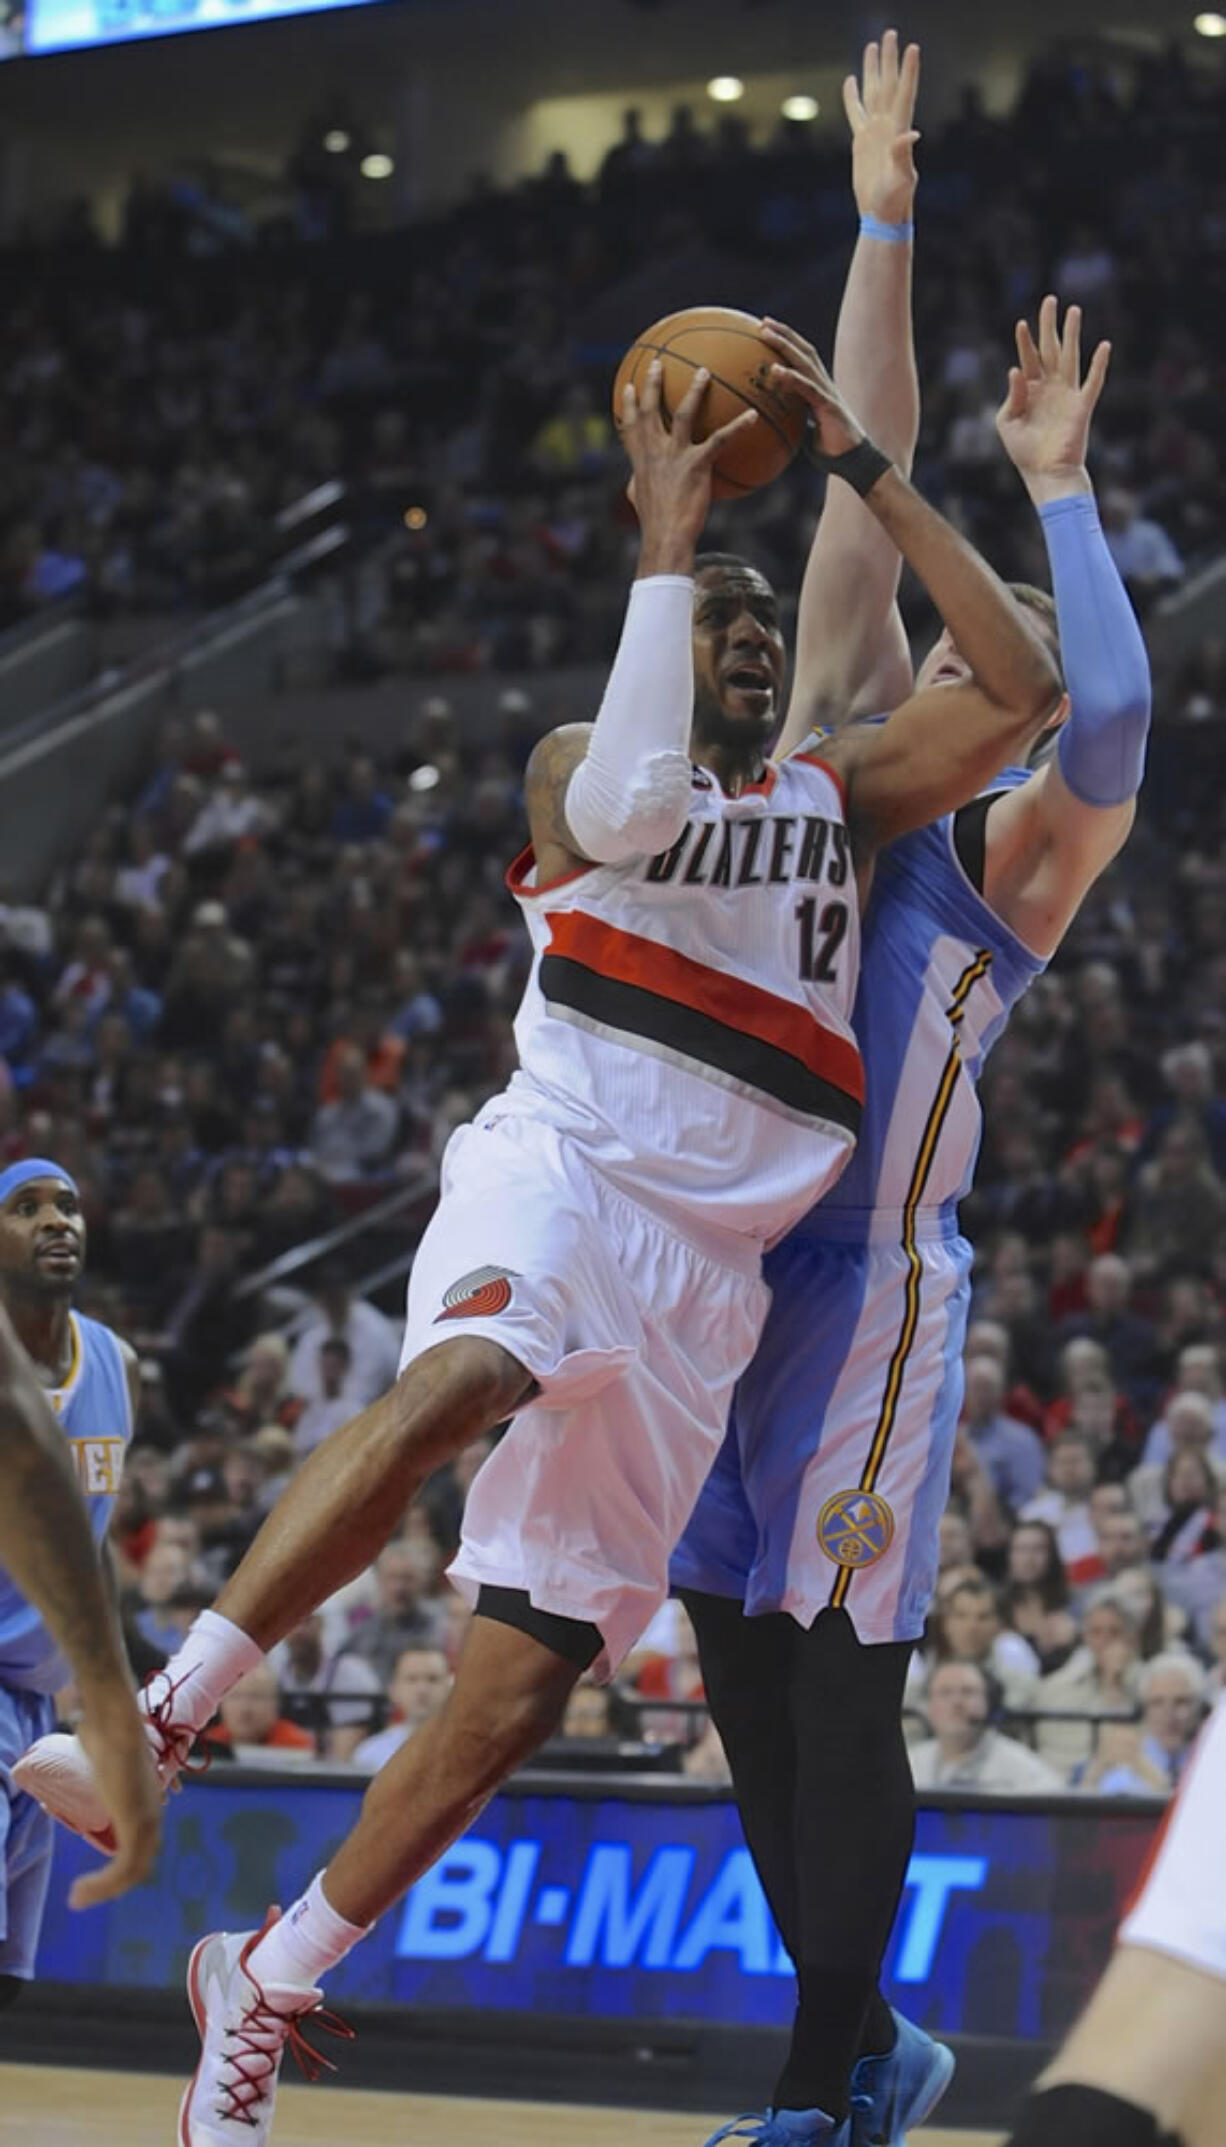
746	1670
854	1828
812	1725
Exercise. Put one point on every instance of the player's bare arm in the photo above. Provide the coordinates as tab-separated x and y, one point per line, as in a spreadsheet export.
934	753
1146	2062
1047	841
636	788
45	1541
47	1548
852	655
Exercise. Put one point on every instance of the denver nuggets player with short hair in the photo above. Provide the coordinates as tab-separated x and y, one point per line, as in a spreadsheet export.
809	1562
89	1377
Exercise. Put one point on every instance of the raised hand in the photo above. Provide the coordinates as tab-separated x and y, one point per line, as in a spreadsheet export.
1044	421
670	485
879	112
800	371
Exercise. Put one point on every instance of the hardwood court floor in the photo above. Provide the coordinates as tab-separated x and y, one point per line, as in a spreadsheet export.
44	2108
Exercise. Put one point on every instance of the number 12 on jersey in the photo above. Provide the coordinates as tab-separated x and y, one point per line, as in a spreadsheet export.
820	939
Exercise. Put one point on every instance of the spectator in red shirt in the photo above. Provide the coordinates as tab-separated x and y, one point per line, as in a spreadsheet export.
1067	1261
1064	1503
250	1721
1082	1363
989	1338
1112	1119
1106	1193
364	1026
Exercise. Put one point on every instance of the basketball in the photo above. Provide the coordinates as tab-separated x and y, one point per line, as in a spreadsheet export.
728	344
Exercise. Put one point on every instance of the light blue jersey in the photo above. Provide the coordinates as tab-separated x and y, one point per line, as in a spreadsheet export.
94	1407
831	1483
939	976
95	1410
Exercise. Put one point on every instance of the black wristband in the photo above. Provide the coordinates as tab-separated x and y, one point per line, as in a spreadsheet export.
860	467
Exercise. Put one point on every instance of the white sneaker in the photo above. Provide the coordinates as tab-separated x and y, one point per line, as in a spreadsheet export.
243	2028
58	1773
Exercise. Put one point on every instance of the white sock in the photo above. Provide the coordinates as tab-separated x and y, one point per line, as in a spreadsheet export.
213	1657
309	1939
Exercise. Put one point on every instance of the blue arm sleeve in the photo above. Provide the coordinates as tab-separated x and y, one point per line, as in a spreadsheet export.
1106	669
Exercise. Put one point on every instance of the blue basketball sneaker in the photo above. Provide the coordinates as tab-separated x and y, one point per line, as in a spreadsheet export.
785	2128
891	2093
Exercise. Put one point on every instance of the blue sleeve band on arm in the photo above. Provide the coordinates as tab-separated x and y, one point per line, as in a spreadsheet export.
1106	669
872	227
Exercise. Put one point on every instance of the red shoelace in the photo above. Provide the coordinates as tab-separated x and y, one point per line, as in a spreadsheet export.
257	2045
175	1739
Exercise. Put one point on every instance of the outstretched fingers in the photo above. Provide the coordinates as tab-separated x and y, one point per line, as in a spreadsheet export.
786	341
1049	336
871	76
794	382
1017	394
907	88
687	409
715	442
1027	354
649	397
1070	348
1096	376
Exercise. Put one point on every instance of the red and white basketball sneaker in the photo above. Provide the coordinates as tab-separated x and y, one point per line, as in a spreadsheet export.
244	2028
58	1773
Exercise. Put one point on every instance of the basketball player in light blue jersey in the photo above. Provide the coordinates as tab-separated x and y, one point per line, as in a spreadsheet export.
89	1378
810	1560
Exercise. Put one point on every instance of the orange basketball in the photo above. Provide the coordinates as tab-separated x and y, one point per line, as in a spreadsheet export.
739	362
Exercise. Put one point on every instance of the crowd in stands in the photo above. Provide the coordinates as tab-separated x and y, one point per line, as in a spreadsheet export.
157	407
254	1005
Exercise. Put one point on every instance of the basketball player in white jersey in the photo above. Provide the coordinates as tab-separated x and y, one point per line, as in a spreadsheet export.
56	1621
1146	2064
687	1080
820	1518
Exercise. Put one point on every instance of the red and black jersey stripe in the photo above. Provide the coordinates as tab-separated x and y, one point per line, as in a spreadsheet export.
734	1030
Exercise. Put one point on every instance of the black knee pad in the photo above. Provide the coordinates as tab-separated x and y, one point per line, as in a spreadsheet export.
11	1988
571	1638
1072	2116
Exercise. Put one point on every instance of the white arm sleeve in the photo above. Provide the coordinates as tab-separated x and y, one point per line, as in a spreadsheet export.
630	794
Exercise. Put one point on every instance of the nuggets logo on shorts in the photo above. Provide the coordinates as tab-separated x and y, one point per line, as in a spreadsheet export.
855	1528
479	1295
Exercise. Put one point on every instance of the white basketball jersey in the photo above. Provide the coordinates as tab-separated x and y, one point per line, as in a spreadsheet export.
688	1016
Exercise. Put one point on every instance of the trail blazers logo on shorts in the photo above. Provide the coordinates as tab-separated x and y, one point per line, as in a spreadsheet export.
855	1528
479	1295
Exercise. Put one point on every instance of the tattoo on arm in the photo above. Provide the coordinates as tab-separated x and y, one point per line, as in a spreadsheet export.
553	761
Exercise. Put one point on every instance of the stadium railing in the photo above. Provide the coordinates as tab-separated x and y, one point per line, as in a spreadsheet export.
43	660
356	1243
71	742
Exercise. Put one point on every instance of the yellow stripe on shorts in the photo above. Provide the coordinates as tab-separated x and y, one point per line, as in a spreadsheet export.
920	1175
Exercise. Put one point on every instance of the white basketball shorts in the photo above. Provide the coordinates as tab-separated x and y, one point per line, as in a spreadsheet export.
636	1337
1181	1908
